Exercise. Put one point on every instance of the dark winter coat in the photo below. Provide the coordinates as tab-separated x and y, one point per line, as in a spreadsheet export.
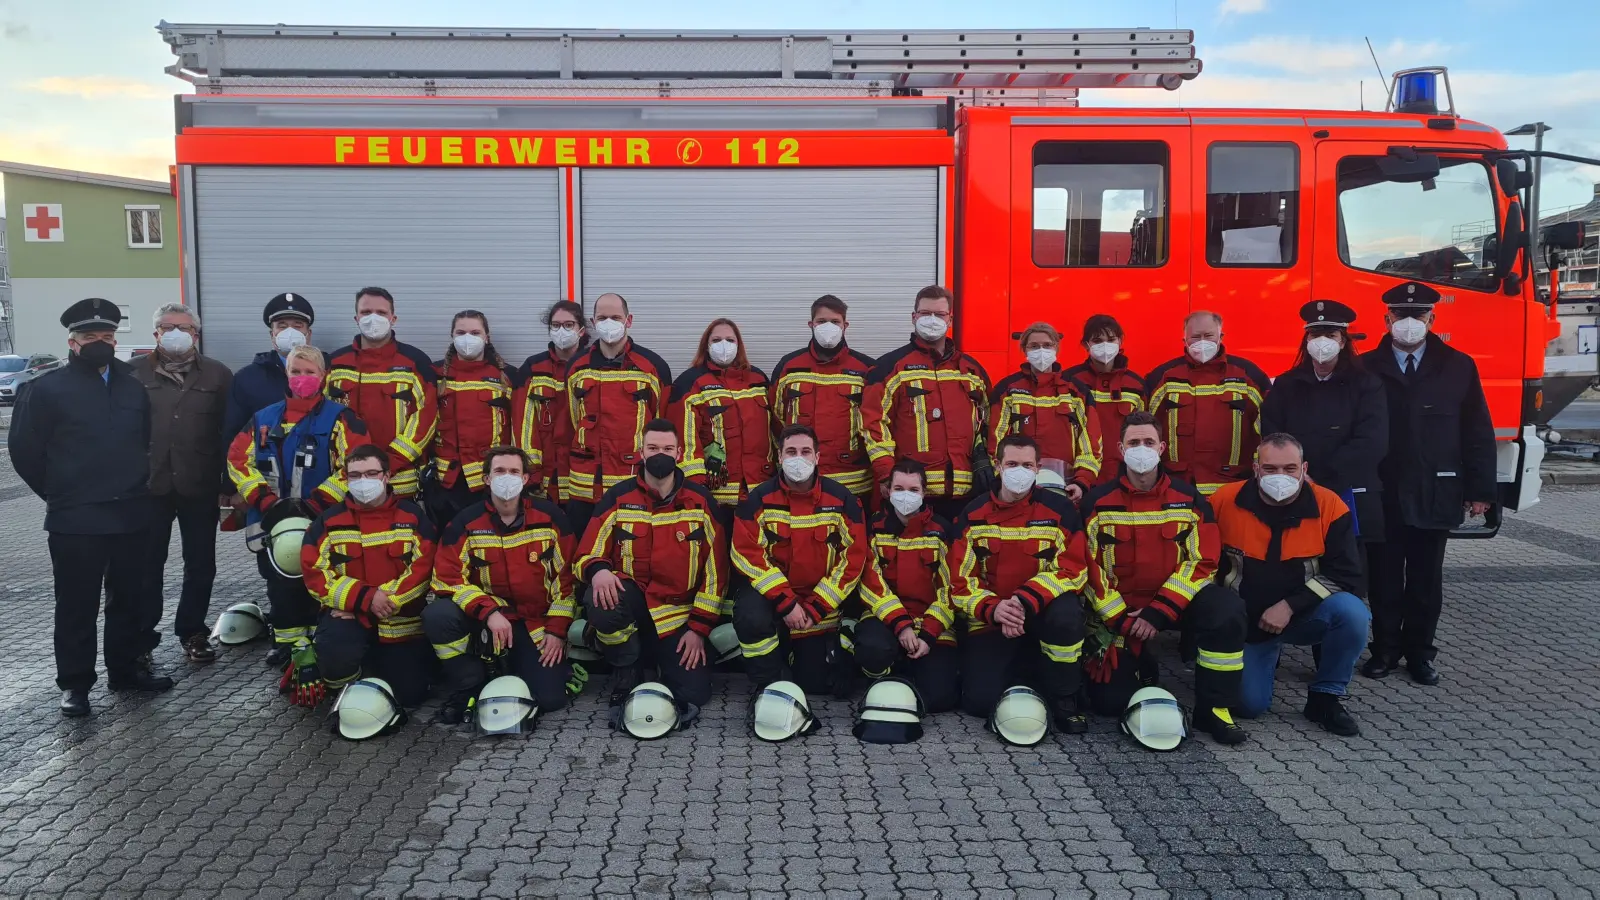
1343	423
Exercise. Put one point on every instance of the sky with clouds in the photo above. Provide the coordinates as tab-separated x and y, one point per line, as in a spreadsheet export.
81	81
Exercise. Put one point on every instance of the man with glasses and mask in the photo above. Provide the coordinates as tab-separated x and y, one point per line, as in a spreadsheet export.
80	439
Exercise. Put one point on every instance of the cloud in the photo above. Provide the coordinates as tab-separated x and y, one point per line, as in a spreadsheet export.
56	148
1310	56
1241	7
97	87
15	31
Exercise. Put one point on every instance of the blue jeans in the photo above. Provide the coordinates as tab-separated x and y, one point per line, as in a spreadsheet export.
1339	623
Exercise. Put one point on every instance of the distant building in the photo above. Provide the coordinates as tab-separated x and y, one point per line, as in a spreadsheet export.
1580	270
5	293
71	235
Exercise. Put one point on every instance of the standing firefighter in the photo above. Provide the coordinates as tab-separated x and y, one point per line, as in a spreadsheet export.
265	381
1042	402
542	425
390	385
721	406
1117	391
822	386
1207	406
475	413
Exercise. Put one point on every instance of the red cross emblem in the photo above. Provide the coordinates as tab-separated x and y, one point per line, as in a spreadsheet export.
42	222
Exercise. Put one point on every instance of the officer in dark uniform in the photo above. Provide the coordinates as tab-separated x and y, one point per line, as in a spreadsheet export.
264	382
1440	467
80	439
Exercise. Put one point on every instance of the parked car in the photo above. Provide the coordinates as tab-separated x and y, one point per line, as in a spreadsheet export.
16	371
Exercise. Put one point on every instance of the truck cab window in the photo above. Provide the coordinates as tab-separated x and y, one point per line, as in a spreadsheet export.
1252	205
1099	203
1429	231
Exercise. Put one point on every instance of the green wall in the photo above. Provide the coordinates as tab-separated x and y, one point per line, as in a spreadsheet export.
97	237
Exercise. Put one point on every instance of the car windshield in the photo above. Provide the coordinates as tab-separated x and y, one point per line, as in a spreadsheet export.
9	364
1441	230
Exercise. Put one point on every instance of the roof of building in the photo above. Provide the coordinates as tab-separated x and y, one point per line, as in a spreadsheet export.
117	181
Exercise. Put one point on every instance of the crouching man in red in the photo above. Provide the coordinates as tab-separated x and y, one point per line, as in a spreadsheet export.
368	561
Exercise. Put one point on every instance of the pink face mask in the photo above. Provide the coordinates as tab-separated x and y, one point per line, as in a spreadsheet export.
304	386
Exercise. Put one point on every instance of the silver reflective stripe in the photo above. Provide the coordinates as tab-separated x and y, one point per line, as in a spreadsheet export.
1364	123
1464	125
1249	120
1505	432
1102	120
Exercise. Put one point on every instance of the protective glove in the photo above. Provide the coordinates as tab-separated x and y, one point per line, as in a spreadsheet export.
578	680
308	689
716	462
1101	668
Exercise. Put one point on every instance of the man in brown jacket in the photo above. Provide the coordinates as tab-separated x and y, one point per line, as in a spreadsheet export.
188	399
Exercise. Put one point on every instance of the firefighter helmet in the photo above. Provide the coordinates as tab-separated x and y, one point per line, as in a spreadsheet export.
580	641
891	713
367	709
781	712
725	643
1020	717
283	545
1050	480
240	624
650	711
1155	720
505	706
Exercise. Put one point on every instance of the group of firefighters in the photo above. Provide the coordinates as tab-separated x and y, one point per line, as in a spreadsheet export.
904	518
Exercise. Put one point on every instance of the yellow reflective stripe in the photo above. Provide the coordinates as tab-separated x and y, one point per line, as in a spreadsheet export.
538	634
1061	653
1180	586
759	648
1054	585
668	619
1111	605
826	624
452	649
293	637
400	627
1220	662
967	592
617	638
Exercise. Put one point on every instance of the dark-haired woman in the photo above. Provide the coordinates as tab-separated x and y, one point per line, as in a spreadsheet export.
1117	391
722	408
475	413
544	430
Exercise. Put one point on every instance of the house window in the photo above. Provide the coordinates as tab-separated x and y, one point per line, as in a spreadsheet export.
144	227
127	319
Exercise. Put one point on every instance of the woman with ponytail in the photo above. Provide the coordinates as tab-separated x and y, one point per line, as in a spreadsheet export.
475	390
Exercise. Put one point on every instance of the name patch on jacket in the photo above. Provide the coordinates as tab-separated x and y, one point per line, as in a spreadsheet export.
1048	523
1182	505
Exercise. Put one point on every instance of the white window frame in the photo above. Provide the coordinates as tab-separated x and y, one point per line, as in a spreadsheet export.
127	225
127	319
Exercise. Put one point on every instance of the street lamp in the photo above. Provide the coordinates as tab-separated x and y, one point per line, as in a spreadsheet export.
1537	129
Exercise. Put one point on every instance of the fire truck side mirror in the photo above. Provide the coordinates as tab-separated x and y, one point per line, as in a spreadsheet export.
1407	166
1512	238
1511	176
1565	236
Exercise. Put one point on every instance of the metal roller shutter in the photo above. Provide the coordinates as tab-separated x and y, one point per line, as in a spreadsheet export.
758	246
439	240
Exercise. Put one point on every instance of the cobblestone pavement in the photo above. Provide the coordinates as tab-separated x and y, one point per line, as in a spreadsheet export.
1485	785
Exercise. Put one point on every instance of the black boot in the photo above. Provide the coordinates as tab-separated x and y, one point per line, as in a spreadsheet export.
623	680
1380	666
461	677
139	678
1218	723
75	703
1069	716
1328	711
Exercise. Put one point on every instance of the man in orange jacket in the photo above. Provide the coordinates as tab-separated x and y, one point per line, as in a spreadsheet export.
1207	406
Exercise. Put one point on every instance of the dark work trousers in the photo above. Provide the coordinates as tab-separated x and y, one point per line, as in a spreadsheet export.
579	512
1406	589
347	650
197	528
458	641
443	504
771	654
1215	623
84	564
628	638
937	675
294	611
1045	656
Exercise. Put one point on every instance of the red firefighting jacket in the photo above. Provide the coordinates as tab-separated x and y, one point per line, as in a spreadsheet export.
522	570
728	409
260	491
1053	410
610	401
1031	549
1116	394
351	553
928	409
541	423
1148	550
802	547
675	550
906	583
1210	417
810	387
393	389
475	414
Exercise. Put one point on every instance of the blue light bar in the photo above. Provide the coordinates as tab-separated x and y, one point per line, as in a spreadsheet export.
1417	92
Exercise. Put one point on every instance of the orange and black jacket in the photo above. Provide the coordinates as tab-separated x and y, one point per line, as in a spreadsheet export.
522	570
284	446
805	548
1116	394
674	549
1300	553
394	389
352	552
541	423
906	584
610	401
475	414
1210	417
1149	551
726	411
1053	410
825	391
1031	548
931	409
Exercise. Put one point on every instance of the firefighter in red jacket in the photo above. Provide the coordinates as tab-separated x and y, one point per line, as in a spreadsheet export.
542	425
1153	547
504	565
1042	402
1017	568
722	409
391	386
1207	406
928	401
475	413
1117	391
822	385
368	560
655	557
910	624
613	390
801	541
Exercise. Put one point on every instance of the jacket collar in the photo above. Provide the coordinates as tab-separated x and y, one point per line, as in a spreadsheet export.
926	348
889	522
597	357
1118	366
649	492
823	355
384	352
1433	357
499	524
1161	485
1217	363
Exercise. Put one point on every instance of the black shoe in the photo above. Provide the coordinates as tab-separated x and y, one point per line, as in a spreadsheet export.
1423	672
75	703
623	681
1328	711
140	679
1380	667
197	648
450	714
1218	723
278	657
1070	718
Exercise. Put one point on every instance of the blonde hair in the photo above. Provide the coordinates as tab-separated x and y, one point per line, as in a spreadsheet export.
1039	328
309	354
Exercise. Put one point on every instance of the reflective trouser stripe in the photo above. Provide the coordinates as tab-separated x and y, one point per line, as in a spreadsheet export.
759	648
341	682
293	637
1065	653
452	649
617	638
1220	662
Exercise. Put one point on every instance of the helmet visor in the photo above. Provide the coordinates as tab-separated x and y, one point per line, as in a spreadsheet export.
366	710
505	715
1157	723
649	714
238	626
888	726
779	716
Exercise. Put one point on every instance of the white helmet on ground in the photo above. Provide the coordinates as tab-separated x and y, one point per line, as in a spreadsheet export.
1155	720
781	712
505	706
283	545
1020	717
725	643
367	709
240	624
650	711
891	713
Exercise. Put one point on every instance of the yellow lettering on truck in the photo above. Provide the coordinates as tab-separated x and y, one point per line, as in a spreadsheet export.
342	147
487	148
639	151
378	150
418	156
526	152
450	150
566	151
599	151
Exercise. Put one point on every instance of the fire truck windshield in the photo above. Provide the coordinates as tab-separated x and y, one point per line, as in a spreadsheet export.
1436	230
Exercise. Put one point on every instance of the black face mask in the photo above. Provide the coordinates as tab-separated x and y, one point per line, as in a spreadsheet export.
97	355
660	465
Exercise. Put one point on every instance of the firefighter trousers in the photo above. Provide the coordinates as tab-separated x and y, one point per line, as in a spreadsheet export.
628	638
1215	622
347	650
461	643
1406	578
293	614
936	675
816	662
1045	656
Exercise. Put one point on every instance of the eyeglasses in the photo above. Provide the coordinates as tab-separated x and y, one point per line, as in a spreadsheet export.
187	329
